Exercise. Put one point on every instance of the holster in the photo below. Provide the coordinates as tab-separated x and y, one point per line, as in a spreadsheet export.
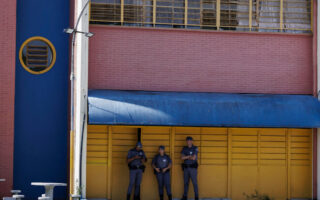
194	165
142	167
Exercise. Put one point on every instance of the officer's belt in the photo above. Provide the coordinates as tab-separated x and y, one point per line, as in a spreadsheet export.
161	169
137	167
193	165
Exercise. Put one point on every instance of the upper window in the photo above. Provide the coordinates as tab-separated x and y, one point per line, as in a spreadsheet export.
293	16
37	55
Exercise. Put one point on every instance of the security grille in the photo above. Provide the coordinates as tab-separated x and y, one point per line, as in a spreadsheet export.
293	16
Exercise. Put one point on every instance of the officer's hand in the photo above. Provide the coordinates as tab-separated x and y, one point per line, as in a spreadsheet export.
193	157
137	157
157	169
164	170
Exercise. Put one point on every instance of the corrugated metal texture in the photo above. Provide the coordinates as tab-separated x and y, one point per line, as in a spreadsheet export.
202	109
233	161
123	139
97	160
151	138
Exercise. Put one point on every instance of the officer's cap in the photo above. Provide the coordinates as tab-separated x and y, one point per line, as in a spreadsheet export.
139	144
189	138
161	147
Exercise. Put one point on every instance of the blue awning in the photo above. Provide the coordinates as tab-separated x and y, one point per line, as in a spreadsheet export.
113	107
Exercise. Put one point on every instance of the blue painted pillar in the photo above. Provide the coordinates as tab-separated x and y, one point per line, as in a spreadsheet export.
41	101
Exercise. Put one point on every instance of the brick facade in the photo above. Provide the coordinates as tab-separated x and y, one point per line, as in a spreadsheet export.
7	75
126	58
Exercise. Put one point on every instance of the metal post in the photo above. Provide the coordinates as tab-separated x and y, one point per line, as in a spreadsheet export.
122	12
259	159
250	15
229	162
78	96
281	15
311	16
172	140
185	13
257	11
154	14
109	189
218	15
288	163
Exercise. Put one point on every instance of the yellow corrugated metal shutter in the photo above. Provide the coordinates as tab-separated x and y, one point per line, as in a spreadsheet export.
213	168
179	142
233	161
123	139
151	138
97	159
300	173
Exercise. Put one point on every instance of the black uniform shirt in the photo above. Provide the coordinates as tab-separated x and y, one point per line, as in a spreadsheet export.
186	151
137	162
161	161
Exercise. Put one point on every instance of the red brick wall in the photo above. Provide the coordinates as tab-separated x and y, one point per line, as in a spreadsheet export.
128	58
7	72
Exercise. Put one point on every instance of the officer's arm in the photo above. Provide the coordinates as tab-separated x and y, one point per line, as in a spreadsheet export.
143	158
155	167
195	155
169	166
184	157
130	158
170	163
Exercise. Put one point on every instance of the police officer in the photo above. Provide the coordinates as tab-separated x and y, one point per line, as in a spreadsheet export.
161	164
136	159
189	155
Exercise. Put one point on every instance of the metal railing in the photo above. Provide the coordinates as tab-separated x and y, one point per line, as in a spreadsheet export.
293	16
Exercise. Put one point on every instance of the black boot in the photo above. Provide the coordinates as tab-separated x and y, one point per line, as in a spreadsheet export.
137	197
184	198
196	198
128	196
161	197
169	197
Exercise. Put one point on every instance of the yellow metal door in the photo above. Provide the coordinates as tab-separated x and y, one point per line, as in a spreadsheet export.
152	138
300	170
180	134
212	158
123	139
276	162
97	160
233	161
213	170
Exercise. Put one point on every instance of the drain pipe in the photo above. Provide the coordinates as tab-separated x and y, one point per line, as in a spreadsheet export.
74	32
81	148
72	77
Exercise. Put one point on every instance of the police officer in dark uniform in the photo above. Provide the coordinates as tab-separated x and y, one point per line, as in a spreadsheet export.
161	164
189	155
136	159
